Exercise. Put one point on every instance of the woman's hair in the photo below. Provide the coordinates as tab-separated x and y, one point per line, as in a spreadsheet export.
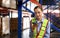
38	7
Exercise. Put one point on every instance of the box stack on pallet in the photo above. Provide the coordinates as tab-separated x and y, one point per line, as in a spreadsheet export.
13	24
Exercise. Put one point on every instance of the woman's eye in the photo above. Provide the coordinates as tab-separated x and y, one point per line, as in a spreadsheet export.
38	12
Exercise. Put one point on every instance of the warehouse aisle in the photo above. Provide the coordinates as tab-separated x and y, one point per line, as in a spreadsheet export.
12	35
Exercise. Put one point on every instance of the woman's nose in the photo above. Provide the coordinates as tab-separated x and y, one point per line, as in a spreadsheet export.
37	14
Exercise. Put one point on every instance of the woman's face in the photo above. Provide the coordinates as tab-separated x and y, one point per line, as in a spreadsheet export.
38	13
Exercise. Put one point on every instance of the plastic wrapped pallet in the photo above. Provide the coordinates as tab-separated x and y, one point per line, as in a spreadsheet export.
5	25
0	25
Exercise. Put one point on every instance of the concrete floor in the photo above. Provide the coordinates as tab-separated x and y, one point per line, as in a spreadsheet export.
11	35
55	35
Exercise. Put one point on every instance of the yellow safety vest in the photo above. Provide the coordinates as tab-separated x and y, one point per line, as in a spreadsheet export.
42	30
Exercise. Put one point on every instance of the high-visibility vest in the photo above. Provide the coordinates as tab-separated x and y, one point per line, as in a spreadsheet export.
42	29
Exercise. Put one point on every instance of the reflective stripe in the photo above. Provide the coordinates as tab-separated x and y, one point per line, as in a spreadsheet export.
39	36
35	33
43	28
33	20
